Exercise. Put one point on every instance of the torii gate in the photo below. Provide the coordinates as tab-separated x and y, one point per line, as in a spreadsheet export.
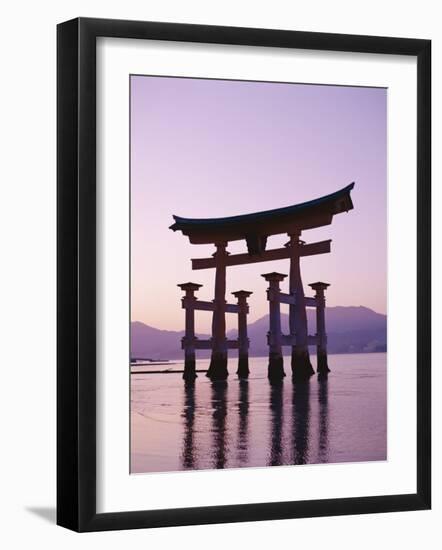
255	229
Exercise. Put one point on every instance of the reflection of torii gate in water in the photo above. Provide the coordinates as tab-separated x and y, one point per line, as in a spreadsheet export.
255	229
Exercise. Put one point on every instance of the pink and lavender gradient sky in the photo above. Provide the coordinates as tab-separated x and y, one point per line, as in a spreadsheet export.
211	148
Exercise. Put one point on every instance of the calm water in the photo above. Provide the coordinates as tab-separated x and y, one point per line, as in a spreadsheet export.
250	423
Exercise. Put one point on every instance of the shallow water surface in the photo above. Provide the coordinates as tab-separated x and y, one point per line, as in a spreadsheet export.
249	423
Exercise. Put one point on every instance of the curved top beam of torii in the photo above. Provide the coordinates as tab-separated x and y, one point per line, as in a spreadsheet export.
256	227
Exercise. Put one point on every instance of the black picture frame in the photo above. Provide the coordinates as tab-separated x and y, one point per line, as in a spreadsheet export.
77	287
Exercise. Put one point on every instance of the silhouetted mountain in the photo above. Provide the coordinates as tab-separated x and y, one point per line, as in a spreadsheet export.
349	330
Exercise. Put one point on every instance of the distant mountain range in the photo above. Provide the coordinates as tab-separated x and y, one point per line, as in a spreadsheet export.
349	330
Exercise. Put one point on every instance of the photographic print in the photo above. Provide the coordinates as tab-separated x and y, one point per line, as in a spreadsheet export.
258	237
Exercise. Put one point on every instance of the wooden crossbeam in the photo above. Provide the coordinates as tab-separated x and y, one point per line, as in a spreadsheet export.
289	340
289	299
286	298
207	344
232	344
203	344
321	247
201	305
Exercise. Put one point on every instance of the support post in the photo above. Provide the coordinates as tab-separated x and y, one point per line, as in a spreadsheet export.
321	334
301	366
188	341
243	340
276	364
218	362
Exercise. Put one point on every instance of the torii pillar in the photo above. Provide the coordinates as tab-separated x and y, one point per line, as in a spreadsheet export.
321	335
188	341
218	362
301	367
243	340
276	364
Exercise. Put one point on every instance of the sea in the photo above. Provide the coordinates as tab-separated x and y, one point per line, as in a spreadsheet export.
251	423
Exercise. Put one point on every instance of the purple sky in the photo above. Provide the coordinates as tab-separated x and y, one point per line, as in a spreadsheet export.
211	148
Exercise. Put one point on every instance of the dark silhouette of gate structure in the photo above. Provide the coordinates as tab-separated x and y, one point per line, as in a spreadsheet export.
255	229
